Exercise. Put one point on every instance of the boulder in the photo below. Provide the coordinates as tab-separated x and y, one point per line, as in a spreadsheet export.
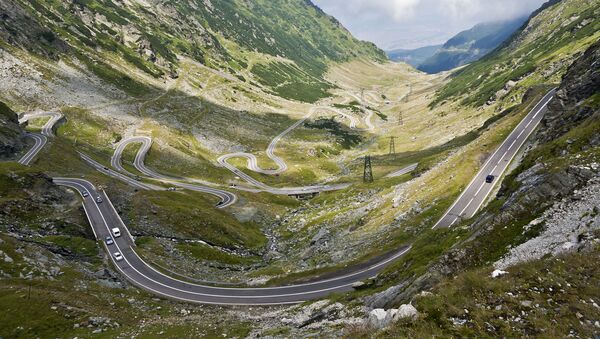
406	311
378	318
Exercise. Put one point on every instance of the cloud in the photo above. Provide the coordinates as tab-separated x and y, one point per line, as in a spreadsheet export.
485	10
396	9
402	23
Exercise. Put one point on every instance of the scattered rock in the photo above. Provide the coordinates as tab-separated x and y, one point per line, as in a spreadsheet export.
407	311
498	273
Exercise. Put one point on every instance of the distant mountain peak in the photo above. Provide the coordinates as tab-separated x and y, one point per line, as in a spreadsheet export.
470	45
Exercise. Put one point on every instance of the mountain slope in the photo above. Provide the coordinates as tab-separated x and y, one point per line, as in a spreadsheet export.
297	39
413	57
540	52
11	134
470	45
542	228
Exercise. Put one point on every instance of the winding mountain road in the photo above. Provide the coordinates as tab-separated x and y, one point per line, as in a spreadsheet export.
252	162
103	217
227	198
472	198
40	139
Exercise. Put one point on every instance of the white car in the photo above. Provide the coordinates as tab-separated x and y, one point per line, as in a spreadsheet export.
118	256
116	232
85	194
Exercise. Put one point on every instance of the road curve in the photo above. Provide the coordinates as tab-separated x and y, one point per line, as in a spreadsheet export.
252	162
49	125
227	198
471	199
40	139
103	216
117	175
40	142
367	119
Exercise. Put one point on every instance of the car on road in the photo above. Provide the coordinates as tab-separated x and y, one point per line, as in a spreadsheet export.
118	256
489	179
171	189
85	194
109	240
106	168
116	232
99	199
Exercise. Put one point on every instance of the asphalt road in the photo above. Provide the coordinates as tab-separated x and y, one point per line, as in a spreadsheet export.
40	139
471	199
403	171
40	142
227	198
103	217
252	162
117	175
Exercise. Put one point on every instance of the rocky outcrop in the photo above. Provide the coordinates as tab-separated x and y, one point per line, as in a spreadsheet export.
568	108
11	134
552	174
18	28
380	318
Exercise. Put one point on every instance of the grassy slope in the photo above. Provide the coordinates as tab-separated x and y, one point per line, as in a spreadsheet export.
540	53
294	29
549	298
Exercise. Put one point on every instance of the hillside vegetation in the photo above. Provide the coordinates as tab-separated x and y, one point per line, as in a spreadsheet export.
296	38
540	52
470	45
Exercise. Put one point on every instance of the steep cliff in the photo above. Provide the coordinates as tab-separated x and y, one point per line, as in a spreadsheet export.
11	134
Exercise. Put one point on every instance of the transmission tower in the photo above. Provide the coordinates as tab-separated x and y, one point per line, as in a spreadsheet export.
368	172
392	145
400	118
409	93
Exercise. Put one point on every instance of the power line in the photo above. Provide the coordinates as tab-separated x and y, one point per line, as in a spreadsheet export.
392	145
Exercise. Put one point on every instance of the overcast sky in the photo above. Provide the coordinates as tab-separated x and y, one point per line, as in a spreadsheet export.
415	23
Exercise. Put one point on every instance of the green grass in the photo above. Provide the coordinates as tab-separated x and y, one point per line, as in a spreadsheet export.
204	252
289	81
344	136
193	215
479	81
76	245
558	289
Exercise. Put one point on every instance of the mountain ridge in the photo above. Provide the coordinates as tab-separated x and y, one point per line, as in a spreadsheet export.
470	45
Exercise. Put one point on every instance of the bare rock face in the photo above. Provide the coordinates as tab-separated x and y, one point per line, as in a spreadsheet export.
580	83
11	134
18	28
380	318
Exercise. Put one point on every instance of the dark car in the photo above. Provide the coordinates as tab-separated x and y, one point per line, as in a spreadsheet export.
489	179
109	240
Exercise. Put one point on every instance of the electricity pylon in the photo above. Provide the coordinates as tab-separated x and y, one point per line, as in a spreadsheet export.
368	171
392	145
